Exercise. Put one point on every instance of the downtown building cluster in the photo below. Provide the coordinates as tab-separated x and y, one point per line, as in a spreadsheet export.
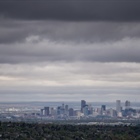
87	111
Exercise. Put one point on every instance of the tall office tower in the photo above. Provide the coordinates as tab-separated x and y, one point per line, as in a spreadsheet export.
90	109
112	112
83	104
118	106
52	111
58	110
127	104
71	112
85	110
42	112
63	106
103	107
46	111
62	111
66	107
66	110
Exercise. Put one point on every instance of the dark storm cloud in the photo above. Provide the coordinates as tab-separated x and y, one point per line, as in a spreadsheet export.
17	30
36	50
24	41
76	10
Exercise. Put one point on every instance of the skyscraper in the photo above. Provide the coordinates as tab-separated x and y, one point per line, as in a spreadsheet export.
63	105
66	109
127	104
52	111
83	103
118	105
58	110
46	111
71	112
112	112
42	112
103	107
85	110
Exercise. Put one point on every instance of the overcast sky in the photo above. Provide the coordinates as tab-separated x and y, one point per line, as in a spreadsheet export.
68	50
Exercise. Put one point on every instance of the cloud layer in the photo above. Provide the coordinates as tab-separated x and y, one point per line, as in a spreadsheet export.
69	50
76	10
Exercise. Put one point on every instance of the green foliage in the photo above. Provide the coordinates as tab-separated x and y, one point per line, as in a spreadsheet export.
35	131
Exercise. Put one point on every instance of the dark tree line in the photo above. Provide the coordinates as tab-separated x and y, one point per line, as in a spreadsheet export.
35	131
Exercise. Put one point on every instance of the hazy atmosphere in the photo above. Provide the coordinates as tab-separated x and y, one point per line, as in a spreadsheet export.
68	50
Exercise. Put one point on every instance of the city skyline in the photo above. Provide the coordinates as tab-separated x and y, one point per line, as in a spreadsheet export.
84	110
87	110
68	50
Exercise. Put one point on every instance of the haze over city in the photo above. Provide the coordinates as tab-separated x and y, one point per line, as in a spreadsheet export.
69	50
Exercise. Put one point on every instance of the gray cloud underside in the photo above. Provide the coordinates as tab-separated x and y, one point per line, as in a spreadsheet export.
42	41
110	10
66	50
17	31
125	50
117	72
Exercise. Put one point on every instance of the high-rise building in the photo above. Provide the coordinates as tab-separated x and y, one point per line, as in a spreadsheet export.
66	107
63	105
71	112
83	104
112	112
85	110
90	109
42	112
66	110
62	110
58	110
46	111
103	107
118	106
52	111
127	104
